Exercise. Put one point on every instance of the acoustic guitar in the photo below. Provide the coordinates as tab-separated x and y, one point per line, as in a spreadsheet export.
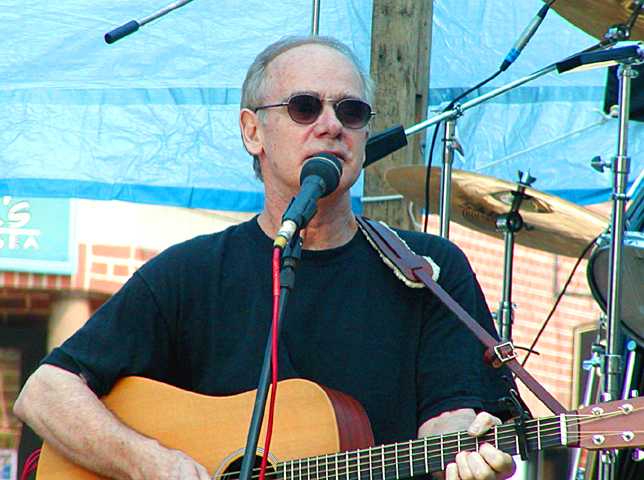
321	434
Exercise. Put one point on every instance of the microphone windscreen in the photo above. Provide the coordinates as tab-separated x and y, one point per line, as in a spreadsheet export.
326	166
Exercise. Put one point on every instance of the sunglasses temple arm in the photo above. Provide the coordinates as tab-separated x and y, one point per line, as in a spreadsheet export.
383	143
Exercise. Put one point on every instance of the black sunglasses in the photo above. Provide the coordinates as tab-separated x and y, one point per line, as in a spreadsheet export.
305	109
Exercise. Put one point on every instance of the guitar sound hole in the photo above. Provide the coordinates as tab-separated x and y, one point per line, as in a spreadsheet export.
232	471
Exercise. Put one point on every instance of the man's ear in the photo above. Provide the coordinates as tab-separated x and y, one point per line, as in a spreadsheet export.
249	124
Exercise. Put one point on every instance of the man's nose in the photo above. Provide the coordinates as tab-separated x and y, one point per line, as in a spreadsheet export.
327	122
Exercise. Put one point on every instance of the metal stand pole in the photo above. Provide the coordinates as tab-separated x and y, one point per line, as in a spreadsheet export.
449	145
510	223
505	316
620	167
592	366
315	21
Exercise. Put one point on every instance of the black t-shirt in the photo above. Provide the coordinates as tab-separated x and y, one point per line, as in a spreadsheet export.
197	316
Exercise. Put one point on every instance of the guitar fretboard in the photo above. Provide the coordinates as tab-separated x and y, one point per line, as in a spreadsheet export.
416	457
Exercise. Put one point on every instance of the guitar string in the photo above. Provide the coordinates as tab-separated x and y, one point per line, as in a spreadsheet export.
341	466
334	458
407	455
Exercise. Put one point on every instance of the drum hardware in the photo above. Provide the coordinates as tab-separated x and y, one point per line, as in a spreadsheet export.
620	167
595	368
510	224
592	366
632	275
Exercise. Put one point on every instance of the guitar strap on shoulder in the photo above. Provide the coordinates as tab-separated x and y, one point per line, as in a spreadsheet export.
416	268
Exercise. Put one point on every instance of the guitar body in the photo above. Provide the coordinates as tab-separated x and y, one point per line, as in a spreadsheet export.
313	421
309	420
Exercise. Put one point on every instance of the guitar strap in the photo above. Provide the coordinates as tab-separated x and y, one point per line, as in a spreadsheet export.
417	269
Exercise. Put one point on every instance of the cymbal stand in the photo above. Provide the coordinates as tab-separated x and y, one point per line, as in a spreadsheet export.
450	143
510	223
620	167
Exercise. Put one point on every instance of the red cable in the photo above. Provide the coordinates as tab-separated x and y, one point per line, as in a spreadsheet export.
30	464
276	302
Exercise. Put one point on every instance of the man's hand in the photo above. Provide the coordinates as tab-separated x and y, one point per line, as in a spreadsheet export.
489	463
173	465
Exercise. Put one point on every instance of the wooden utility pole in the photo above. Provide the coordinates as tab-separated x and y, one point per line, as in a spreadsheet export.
400	42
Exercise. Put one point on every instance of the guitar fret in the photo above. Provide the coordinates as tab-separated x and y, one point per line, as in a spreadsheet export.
337	467
564	429
496	437
442	453
359	476
346	465
396	457
411	459
426	455
317	467
382	453
538	435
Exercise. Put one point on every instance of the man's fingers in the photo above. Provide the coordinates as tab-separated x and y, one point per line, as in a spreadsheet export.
486	464
462	462
500	461
482	423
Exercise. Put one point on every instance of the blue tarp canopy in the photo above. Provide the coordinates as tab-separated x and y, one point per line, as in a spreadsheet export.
153	117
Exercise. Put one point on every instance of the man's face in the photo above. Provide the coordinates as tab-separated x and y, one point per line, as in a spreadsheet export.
284	145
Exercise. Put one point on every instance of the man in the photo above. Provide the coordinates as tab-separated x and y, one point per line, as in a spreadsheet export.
197	315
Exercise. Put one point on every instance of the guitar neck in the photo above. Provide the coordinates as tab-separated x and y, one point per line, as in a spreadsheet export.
422	456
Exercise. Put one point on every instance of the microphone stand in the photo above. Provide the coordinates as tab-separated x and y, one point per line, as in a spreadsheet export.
290	257
450	143
133	25
620	167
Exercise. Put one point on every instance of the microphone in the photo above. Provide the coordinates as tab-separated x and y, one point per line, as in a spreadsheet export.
525	37
320	176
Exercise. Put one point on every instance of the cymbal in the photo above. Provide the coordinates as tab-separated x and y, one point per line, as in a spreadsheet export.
595	17
551	224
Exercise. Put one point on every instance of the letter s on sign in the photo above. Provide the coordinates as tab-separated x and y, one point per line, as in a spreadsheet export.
17	217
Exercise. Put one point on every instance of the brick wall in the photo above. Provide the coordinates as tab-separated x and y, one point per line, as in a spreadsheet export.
108	267
102	270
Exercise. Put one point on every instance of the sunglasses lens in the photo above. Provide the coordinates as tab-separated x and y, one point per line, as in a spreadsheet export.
353	113
304	108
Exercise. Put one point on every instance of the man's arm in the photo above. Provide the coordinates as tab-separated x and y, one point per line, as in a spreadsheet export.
488	463
61	408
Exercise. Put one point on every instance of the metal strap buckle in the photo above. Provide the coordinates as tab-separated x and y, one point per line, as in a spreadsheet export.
511	353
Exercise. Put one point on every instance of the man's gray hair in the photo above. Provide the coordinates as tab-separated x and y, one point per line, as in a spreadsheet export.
255	89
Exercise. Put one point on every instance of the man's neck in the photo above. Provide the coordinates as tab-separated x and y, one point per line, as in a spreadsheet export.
333	226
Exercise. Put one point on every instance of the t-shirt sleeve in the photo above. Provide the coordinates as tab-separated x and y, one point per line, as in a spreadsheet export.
451	373
127	336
